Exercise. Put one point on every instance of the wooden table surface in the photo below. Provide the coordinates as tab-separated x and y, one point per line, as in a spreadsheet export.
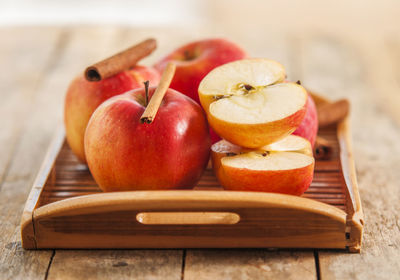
37	64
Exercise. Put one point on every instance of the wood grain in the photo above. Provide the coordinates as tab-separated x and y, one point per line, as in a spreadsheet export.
248	264
116	264
376	149
108	221
21	148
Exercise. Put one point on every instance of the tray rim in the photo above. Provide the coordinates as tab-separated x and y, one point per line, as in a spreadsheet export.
353	218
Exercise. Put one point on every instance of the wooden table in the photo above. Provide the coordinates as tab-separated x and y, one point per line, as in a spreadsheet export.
38	63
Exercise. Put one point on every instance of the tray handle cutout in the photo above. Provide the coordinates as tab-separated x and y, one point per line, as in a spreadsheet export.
188	218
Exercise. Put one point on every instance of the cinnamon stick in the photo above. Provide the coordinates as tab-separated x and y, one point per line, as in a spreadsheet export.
323	149
331	113
155	101
120	61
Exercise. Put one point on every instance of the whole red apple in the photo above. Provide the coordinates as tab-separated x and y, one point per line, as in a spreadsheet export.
194	61
83	97
125	154
309	126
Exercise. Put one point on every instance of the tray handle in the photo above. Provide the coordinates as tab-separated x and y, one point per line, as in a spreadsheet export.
188	218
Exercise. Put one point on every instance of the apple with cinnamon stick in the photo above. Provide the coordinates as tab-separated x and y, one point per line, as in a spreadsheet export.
135	144
110	77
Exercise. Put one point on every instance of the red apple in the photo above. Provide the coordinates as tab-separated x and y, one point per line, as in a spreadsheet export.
83	97
309	126
194	61
125	154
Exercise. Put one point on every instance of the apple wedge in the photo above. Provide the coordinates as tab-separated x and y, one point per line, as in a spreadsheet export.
248	103
286	166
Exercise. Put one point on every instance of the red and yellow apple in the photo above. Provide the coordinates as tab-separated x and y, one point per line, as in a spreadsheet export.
124	154
286	166
194	61
248	103
83	97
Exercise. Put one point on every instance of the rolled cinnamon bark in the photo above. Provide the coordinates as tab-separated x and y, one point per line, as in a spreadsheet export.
322	148
120	61
334	112
155	101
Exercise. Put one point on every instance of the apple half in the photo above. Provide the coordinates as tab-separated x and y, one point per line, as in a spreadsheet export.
286	166
248	103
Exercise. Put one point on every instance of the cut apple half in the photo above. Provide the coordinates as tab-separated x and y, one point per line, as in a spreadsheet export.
285	167
248	103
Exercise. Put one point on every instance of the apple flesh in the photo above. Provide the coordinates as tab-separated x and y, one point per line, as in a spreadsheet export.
285	167
124	154
248	103
83	97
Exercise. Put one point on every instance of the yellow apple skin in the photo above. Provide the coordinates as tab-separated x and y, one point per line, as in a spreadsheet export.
256	135
83	97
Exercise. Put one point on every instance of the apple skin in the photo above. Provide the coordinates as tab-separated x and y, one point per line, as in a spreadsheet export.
294	181
194	61
124	154
83	97
308	128
255	136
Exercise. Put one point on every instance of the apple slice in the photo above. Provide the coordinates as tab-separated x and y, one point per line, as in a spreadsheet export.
292	143
248	103
285	167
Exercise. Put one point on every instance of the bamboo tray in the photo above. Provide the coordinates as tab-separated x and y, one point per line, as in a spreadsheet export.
66	209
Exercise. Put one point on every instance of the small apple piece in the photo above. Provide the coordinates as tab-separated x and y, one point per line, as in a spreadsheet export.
248	103
194	61
292	143
125	153
308	127
285	167
83	97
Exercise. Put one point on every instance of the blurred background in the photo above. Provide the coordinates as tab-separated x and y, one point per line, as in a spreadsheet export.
365	34
367	17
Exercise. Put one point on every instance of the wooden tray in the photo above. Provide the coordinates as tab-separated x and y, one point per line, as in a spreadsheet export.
66	209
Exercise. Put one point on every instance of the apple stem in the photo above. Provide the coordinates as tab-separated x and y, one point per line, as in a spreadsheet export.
146	90
155	101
